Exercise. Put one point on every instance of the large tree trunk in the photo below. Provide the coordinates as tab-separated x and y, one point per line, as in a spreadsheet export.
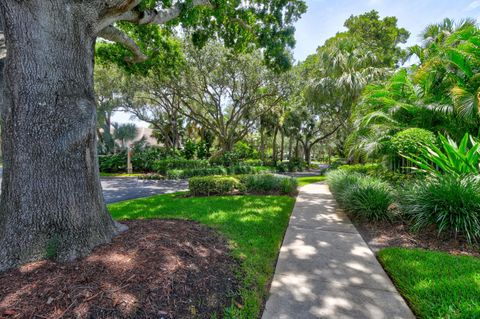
51	200
307	153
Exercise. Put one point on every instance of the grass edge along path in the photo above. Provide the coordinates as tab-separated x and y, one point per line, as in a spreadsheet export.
302	181
254	225
435	284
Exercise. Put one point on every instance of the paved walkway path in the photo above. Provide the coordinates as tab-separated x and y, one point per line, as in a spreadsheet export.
326	270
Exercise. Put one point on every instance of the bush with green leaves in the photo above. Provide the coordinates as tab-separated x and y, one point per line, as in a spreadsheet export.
225	159
241	170
143	159
218	170
449	158
151	176
411	141
163	166
340	180
368	169
364	196
451	203
269	184
369	198
113	163
213	185
189	150
175	174
251	162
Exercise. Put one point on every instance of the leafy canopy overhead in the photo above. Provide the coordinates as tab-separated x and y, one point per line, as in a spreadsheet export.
242	25
381	36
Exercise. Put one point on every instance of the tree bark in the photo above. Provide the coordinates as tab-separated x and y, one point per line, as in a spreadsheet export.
51	200
282	145
274	146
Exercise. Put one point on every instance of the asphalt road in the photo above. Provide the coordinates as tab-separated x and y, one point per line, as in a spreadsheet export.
119	189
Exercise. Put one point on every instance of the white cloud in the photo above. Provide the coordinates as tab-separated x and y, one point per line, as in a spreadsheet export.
474	5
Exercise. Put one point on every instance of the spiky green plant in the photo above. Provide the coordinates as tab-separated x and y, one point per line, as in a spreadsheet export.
449	158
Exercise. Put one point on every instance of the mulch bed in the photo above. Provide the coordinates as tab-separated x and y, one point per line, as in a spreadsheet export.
157	269
379	235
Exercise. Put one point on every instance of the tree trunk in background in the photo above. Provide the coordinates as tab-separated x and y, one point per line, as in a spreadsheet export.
290	146
282	145
274	146
51	196
262	145
297	149
307	153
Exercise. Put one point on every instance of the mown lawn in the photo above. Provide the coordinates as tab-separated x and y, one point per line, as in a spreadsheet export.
254	225
436	285
302	181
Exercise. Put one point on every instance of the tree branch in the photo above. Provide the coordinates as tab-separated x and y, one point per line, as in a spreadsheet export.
161	16
113	34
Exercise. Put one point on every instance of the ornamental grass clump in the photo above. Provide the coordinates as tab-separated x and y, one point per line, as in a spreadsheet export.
340	180
450	203
369	198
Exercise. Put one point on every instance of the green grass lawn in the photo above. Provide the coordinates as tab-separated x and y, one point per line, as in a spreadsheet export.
436	285
254	225
302	181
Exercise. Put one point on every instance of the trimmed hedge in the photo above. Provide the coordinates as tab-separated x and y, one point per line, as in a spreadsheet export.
163	166
212	185
269	184
216	170
187	173
251	184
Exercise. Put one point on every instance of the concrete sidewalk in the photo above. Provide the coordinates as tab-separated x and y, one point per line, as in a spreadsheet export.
326	270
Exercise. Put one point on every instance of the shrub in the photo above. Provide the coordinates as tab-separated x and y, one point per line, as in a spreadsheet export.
163	166
175	174
340	180
450	203
204	171
113	163
453	159
296	165
240	170
189	149
251	162
225	159
212	185
151	176
368	169
411	141
369	198
143	160
269	184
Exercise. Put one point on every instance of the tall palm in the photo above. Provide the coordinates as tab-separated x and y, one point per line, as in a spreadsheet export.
124	133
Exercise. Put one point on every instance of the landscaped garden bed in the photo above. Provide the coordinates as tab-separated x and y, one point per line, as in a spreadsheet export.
157	269
425	230
163	266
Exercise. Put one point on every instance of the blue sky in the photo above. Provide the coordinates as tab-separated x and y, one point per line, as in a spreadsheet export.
325	18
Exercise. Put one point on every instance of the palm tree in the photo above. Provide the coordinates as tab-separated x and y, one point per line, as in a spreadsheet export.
124	133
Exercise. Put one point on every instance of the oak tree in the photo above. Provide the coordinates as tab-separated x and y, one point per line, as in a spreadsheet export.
51	192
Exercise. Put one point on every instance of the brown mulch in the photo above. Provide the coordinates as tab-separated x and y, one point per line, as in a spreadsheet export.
379	235
157	269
